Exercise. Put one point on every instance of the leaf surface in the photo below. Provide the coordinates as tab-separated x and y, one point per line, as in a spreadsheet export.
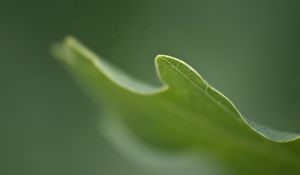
184	114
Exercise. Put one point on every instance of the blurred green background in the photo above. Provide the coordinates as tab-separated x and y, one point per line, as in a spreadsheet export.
249	50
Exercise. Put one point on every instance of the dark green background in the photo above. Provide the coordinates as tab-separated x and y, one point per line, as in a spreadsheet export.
249	50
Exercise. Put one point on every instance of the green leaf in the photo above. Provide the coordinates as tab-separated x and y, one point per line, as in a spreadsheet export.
184	114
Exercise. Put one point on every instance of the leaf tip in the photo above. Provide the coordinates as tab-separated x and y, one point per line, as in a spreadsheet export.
161	65
69	39
164	58
60	50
